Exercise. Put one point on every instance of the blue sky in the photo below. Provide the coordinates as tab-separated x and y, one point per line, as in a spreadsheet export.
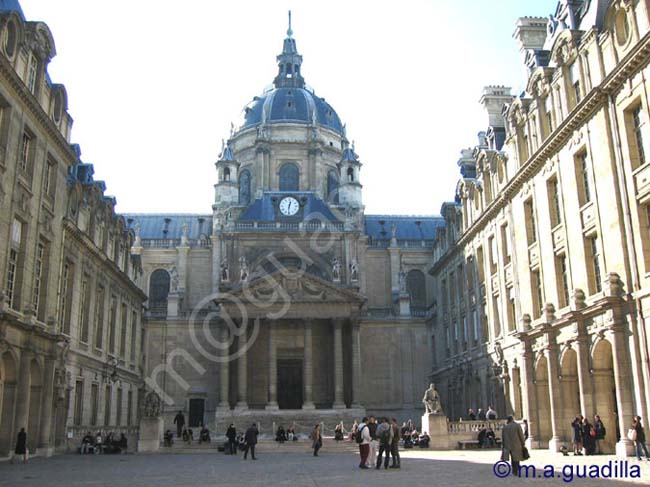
154	85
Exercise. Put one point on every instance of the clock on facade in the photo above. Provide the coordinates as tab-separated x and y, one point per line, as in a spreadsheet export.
289	206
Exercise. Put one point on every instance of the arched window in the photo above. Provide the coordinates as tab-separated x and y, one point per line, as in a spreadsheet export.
245	187
226	174
350	174
289	177
416	287
158	292
332	187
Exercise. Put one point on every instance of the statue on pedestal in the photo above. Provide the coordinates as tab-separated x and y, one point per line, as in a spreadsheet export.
336	269
431	401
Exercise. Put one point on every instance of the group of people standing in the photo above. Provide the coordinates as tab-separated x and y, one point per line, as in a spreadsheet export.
380	438
587	436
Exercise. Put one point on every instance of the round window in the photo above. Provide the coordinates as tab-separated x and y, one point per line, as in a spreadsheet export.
10	39
622	27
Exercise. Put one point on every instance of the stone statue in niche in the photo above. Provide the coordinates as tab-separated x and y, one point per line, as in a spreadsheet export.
354	270
151	407
402	280
173	274
336	269
243	269
225	273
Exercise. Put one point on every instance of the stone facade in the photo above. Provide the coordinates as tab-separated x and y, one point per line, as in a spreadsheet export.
541	273
60	234
341	297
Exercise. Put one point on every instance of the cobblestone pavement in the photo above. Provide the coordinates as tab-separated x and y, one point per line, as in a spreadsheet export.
419	468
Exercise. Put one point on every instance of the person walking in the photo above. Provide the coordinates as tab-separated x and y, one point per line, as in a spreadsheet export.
179	421
316	439
363	439
600	433
512	438
394	449
250	437
21	445
525	422
231	434
374	443
577	435
385	438
639	438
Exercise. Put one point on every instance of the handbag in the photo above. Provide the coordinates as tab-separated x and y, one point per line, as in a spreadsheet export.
524	453
631	434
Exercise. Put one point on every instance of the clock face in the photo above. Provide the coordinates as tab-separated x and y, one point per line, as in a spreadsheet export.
289	206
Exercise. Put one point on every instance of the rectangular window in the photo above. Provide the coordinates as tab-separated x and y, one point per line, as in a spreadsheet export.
466	338
485	329
84	309
533	132
582	178
497	316
49	179
32	74
111	324
25	152
125	320
493	254
78	402
129	408
644	226
94	403
459	281
118	420
537	294
134	333
447	341
480	265
637	126
531	227
107	405
443	294
592	255
65	297
505	240
39	289
548	114
553	189
456	346
475	331
574	74
510	293
99	318
15	264
452	289
562	274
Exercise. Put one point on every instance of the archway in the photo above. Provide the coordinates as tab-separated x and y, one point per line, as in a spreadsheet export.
158	292
35	400
416	287
289	177
7	402
543	402
605	392
570	393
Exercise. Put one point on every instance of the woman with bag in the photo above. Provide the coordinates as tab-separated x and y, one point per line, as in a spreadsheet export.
637	435
588	437
316	439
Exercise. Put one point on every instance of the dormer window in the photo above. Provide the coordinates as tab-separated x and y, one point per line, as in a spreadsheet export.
32	73
9	39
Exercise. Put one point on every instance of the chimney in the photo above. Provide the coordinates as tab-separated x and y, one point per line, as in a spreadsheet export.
493	98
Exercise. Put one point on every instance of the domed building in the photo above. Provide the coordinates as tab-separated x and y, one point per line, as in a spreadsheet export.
287	303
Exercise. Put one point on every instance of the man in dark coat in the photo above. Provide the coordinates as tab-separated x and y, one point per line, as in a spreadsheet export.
21	445
512	438
231	434
251	440
179	421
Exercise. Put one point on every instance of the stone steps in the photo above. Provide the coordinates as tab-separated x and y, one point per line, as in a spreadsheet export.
263	446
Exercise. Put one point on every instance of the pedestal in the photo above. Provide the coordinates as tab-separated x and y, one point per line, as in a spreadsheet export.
435	425
150	434
404	304
555	444
624	448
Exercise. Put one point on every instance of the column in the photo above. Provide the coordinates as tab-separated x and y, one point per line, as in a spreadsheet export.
584	378
22	400
554	392
273	367
356	364
224	370
242	372
216	262
624	405
338	364
45	447
309	368
528	395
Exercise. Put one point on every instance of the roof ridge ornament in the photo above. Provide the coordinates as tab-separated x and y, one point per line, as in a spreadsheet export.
289	31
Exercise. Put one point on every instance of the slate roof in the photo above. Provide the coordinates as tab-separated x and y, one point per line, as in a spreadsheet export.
407	227
153	226
263	209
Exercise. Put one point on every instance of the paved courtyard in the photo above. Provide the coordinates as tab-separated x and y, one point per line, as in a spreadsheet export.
293	469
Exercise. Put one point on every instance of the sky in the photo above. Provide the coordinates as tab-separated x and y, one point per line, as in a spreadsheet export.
153	86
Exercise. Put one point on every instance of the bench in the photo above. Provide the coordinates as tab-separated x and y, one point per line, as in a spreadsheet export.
466	444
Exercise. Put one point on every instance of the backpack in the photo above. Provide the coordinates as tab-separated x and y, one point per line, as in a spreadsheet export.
385	436
359	437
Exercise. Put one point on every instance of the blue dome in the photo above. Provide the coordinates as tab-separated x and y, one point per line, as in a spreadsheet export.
11	6
291	104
